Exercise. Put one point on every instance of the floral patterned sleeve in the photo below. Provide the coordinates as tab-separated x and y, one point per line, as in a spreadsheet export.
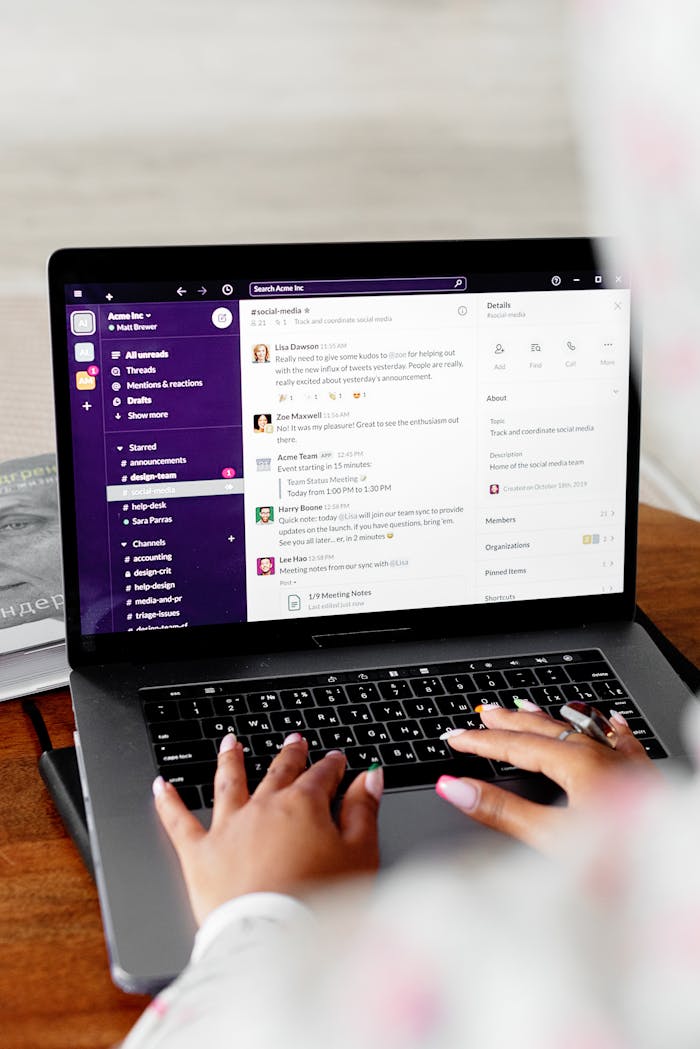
493	947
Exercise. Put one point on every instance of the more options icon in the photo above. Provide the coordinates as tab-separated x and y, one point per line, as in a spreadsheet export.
82	322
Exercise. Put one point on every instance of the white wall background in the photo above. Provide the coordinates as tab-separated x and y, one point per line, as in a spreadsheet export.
223	121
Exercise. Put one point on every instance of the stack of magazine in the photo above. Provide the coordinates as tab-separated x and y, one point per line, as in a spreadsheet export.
32	640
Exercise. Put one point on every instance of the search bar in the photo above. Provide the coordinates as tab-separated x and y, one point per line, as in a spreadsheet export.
368	286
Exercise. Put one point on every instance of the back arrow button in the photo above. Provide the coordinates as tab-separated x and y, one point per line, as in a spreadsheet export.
181	291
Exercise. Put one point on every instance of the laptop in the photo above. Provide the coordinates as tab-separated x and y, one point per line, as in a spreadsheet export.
353	490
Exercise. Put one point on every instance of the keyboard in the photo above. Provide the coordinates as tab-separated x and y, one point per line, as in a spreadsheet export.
393	715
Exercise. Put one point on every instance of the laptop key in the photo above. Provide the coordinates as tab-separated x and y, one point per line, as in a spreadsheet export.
432	750
288	721
546	694
434	727
458	683
362	693
653	748
421	708
297	697
356	714
482	698
395	689
337	738
469	721
397	754
267	743
261	702
160	712
492	679
427	686
590	672
471	765
256	767
361	758
404	730
191	797
229	705
551	675
623	706
189	775
371	734
508	697
609	689
582	693
330	696
175	731
215	728
507	771
248	724
326	718
639	728
521	678
195	708
388	711
452	705
178	753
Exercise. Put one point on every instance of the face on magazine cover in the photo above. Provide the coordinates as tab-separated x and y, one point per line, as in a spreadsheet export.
29	560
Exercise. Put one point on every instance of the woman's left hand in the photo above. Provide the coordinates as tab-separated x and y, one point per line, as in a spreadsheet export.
278	838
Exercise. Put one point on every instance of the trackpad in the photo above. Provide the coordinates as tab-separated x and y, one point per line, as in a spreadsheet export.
415	822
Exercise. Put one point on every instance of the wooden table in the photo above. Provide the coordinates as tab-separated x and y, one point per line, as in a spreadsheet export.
55	989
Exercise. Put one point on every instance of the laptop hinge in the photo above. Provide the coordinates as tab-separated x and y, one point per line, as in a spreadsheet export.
362	637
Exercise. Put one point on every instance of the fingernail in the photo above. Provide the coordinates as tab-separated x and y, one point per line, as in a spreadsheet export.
342	753
620	718
294	737
227	743
487	706
464	795
158	786
527	704
452	732
374	781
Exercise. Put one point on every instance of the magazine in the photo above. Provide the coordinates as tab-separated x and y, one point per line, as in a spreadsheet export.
32	638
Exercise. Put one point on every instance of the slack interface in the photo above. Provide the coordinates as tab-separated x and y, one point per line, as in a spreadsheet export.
282	454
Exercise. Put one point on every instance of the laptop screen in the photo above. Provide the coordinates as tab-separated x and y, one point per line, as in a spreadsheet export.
266	447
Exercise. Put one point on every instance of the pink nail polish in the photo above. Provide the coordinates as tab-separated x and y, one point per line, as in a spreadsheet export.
158	786
620	718
374	781
227	743
464	796
294	737
527	704
452	732
334	752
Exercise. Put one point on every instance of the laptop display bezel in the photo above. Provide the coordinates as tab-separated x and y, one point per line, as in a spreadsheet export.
329	261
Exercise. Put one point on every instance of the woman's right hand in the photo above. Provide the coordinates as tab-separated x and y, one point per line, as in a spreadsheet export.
583	768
